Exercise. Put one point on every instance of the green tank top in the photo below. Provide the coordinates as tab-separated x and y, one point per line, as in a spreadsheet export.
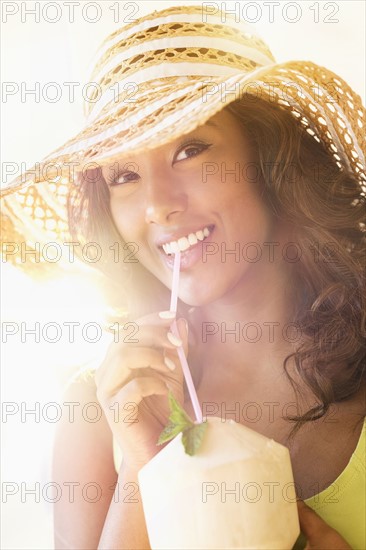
343	504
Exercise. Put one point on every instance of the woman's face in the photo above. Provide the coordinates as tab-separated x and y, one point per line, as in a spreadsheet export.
203	185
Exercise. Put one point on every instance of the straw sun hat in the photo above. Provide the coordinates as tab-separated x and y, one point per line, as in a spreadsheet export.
162	76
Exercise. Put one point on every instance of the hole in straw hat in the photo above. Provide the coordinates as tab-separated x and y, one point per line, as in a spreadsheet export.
50	224
152	29
39	212
137	58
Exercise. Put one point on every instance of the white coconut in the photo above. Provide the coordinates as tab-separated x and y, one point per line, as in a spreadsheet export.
237	492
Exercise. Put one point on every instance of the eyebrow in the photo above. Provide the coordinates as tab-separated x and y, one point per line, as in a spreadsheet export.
211	123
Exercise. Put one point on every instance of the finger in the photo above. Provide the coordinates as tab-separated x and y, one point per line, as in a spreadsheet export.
165	317
149	335
312	525
152	337
182	329
158	319
113	374
320	535
138	388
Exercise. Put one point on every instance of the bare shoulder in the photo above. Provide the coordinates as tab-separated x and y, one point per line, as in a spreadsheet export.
83	467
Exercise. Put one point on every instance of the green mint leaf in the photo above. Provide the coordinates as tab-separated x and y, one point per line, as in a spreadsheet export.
169	432
192	438
177	414
179	421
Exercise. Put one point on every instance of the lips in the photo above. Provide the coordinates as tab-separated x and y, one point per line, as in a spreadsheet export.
187	241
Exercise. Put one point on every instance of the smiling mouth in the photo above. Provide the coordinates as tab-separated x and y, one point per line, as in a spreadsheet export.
187	242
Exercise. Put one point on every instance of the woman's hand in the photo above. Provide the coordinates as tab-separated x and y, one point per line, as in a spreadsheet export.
133	384
318	533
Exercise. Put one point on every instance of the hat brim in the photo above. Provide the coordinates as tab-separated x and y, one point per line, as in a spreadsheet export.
323	103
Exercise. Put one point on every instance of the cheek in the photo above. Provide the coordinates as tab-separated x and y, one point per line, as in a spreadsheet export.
125	218
244	210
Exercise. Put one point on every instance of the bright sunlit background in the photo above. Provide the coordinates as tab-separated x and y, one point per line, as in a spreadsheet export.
34	373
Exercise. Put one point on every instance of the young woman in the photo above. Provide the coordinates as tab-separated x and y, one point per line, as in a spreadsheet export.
263	195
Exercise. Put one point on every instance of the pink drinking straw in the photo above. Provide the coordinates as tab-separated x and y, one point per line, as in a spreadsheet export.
183	360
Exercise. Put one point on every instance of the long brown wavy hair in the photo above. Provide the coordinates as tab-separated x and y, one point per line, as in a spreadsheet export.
303	185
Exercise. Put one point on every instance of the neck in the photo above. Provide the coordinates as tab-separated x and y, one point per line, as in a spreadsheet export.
250	325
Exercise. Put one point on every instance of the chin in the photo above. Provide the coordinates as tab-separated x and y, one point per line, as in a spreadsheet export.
196	297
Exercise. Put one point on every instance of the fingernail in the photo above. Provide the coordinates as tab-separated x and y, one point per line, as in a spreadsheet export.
174	339
167	314
169	363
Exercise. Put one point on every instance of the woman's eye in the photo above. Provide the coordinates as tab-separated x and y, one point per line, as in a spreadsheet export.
191	150
125	177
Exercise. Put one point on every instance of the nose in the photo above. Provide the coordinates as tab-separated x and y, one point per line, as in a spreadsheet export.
165	197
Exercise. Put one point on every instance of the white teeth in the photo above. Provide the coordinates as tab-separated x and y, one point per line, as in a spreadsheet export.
174	246
183	243
192	239
186	242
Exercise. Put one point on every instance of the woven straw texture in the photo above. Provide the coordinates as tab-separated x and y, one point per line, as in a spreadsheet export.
161	77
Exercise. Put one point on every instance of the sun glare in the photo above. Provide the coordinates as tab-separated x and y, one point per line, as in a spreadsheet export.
49	331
